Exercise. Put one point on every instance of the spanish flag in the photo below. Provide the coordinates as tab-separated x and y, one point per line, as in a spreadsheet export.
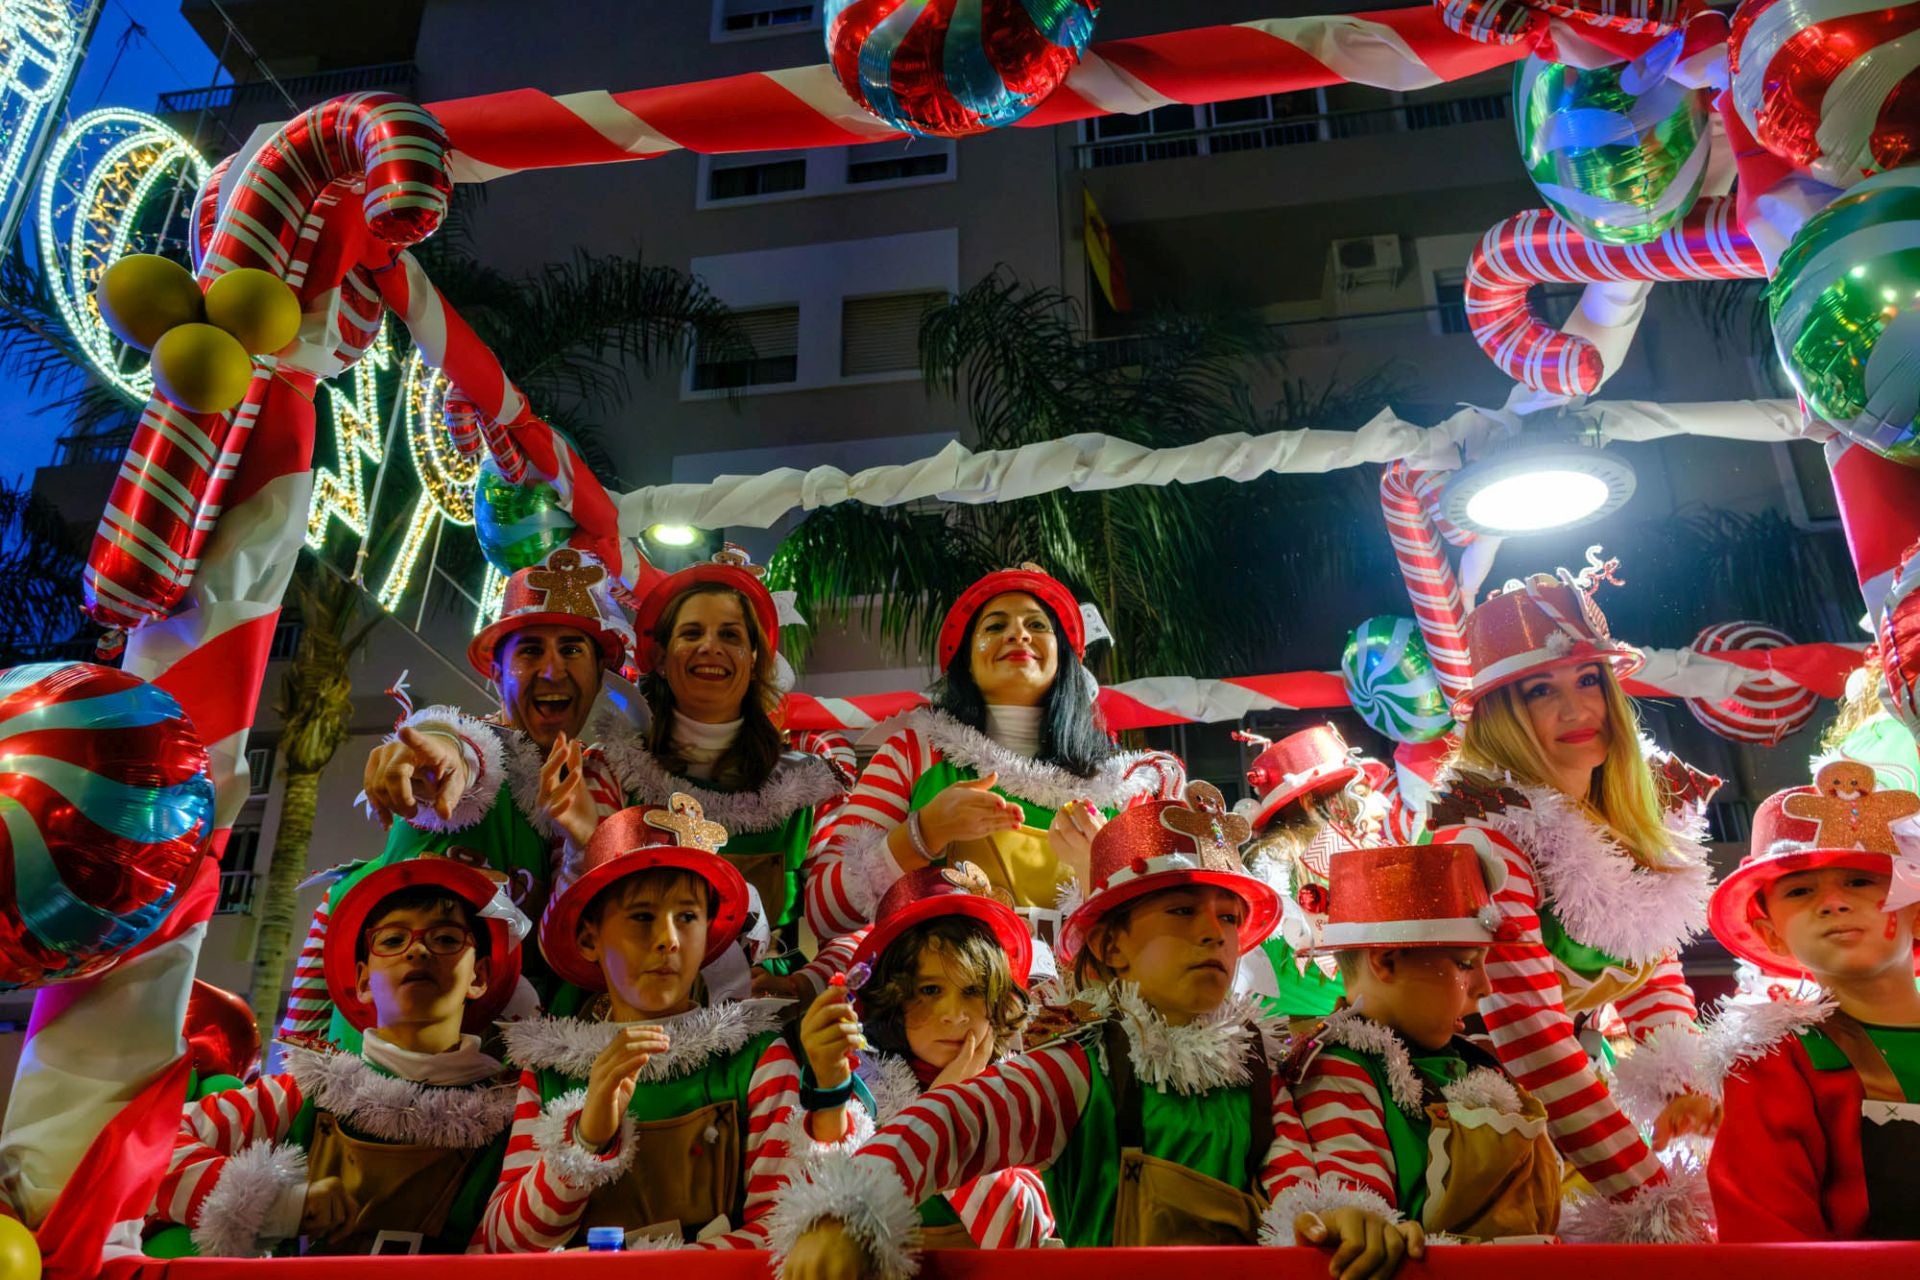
1104	257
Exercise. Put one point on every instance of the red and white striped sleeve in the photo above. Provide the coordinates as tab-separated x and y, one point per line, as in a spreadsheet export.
1290	1159
309	1008
851	866
774	1145
836	957
1345	1119
1664	1000
228	1177
1005	1210
1535	1038
546	1177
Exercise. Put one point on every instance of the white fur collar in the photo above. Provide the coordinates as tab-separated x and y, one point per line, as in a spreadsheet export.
1482	1087
1120	781
523	760
1600	895
799	781
890	1079
570	1045
395	1110
1744	1031
1205	1054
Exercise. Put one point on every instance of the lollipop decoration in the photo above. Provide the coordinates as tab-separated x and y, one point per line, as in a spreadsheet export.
517	524
1392	683
949	68
105	810
1763	710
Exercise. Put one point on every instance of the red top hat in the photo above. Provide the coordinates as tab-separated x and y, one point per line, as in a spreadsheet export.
1312	762
1165	844
1408	895
1805	829
729	567
484	891
1541	623
569	589
959	889
677	834
1028	578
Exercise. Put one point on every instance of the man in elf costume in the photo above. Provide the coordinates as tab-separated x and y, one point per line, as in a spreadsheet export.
392	1149
1395	1098
1822	1107
448	787
675	1121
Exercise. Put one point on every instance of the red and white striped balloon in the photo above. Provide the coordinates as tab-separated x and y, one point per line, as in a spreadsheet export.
1765	709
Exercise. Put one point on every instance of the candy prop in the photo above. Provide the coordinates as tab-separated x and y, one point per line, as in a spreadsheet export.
1392	683
256	307
1828	85
517	524
1760	711
105	811
1845	302
223	1037
1537	247
1619	152
1405	500
202	369
142	295
948	68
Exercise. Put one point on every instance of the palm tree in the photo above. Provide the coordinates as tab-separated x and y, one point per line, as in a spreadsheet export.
40	560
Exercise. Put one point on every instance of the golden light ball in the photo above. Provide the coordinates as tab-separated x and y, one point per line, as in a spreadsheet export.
256	307
143	295
202	369
19	1251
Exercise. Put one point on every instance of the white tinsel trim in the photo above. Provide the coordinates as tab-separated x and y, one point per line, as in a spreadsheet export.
605	723
1208	1053
798	781
1046	785
236	1211
481	792
1484	1089
1068	896
1745	1031
394	1110
890	1080
1660	1068
1676	1211
867	868
572	1163
570	1045
1318	1196
866	1197
1354	1030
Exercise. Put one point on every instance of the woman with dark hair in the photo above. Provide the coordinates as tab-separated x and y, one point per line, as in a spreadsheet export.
1010	768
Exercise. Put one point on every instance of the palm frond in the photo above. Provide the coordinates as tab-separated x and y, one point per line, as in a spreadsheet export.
40	560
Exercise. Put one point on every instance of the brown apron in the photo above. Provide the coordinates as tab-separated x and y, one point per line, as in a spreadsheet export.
685	1173
1020	861
1889	1135
1164	1203
767	873
401	1191
951	1236
1491	1176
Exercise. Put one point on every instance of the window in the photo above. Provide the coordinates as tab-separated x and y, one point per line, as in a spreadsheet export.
882	335
775	335
243	845
1272	120
286	641
744	181
1437	115
917	158
259	770
744	19
1449	297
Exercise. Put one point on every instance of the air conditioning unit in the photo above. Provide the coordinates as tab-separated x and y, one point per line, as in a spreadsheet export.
1367	260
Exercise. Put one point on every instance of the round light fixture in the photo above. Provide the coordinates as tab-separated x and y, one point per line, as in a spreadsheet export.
674	535
1534	488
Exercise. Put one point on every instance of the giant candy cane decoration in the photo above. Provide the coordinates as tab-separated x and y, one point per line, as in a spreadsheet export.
1537	247
1405	498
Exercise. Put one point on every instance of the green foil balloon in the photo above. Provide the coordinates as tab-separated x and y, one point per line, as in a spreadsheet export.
517	524
1391	681
1619	152
1845	302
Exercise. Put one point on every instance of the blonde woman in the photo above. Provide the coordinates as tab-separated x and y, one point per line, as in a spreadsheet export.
1606	879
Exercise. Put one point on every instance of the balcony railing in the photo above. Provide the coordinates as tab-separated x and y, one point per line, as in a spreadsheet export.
1262	135
236	893
400	77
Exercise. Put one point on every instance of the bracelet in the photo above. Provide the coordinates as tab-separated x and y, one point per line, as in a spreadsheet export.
919	838
814	1098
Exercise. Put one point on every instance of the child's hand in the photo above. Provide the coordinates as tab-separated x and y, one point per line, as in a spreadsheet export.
611	1080
328	1209
1687	1114
826	1252
829	1032
973	1058
1366	1246
566	800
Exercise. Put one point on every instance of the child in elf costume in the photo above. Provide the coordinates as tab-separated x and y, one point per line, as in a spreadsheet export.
676	1122
1152	1104
1822	1107
946	966
390	1150
1394	1096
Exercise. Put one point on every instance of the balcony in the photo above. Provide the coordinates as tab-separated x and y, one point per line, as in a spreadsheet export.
395	77
236	893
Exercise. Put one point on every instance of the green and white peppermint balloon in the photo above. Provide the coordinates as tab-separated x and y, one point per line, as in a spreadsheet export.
1845	303
1391	681
517	524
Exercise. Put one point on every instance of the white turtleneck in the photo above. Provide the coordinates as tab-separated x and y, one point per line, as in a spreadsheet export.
462	1064
701	745
1015	728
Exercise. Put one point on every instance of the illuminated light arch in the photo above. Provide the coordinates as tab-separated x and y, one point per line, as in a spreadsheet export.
40	44
359	432
447	476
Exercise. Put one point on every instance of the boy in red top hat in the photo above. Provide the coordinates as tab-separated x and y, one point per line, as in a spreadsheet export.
1822	1108
1394	1097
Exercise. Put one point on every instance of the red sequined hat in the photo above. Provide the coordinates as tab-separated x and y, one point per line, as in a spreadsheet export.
958	889
1408	895
1166	844
1029	578
1312	762
1541	623
569	589
729	567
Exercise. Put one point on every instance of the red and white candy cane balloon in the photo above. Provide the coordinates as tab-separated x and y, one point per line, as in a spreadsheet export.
1763	710
1406	499
171	490
1899	636
1537	247
1509	21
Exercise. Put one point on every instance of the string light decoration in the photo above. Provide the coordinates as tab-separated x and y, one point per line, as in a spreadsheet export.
340	493
41	42
446	475
493	595
116	181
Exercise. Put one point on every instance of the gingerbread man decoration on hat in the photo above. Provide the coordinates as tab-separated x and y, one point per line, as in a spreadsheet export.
1216	830
567	583
964	875
688	822
1851	813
